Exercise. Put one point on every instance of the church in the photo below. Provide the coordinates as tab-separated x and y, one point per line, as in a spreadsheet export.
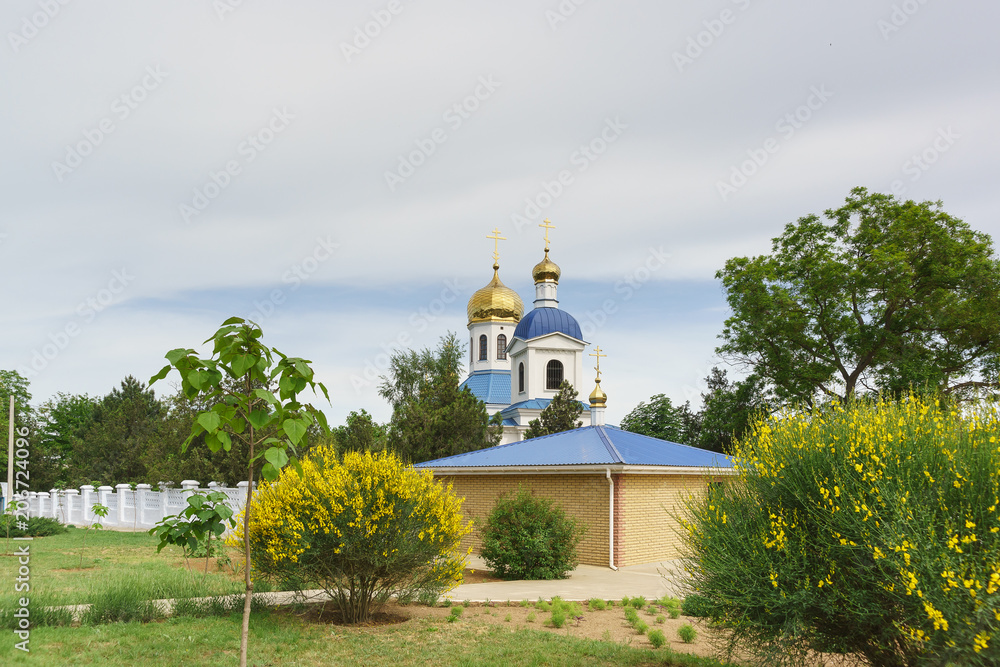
518	360
625	489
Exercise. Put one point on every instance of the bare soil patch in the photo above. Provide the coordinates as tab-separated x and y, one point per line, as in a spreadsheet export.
606	625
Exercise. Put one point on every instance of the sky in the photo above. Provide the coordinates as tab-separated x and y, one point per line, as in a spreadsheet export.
332	170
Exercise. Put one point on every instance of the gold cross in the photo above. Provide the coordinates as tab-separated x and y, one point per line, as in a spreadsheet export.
547	225
597	353
496	243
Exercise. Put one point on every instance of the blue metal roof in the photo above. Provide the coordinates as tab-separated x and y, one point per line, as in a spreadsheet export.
590	445
542	321
538	404
490	387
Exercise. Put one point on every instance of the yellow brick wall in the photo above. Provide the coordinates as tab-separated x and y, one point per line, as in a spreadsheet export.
650	531
645	530
582	497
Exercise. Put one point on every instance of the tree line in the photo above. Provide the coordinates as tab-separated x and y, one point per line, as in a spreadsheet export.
879	297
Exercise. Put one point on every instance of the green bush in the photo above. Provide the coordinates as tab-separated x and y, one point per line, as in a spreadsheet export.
38	526
869	529
529	538
687	633
596	604
672	605
656	638
696	605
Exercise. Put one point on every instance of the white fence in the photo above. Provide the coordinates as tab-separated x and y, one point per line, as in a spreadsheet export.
127	508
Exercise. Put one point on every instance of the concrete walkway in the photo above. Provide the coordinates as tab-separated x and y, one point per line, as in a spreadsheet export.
652	580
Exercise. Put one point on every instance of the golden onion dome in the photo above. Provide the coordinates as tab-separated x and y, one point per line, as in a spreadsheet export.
495	302
546	270
598	399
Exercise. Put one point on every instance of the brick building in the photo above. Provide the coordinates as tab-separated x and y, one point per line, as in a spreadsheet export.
625	488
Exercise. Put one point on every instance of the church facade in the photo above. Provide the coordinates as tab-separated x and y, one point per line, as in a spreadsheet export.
518	360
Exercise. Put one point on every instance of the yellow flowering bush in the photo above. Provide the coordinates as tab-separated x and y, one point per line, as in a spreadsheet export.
871	528
362	528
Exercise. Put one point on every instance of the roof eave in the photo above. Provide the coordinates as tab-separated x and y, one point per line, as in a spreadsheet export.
581	469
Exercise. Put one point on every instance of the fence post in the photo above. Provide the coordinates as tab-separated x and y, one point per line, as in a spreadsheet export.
140	502
102	497
68	495
56	501
87	493
122	492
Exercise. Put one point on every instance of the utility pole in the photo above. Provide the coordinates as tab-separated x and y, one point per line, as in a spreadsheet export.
10	456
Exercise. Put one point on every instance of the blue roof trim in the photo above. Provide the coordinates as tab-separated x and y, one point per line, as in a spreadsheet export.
490	387
611	448
543	321
509	422
590	445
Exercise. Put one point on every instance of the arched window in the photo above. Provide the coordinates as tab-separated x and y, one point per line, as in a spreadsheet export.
482	348
553	374
501	347
520	377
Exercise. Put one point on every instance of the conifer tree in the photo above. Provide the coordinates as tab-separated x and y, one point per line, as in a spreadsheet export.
559	415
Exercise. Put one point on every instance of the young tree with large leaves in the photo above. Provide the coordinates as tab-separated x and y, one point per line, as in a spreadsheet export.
561	414
431	416
271	427
883	295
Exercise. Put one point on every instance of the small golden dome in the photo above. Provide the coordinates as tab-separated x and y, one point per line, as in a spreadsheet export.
598	399
546	270
495	302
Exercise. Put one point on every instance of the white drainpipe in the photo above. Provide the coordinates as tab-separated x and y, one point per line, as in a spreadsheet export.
611	520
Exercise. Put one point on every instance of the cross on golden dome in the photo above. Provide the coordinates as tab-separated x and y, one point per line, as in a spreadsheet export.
496	244
597	353
547	225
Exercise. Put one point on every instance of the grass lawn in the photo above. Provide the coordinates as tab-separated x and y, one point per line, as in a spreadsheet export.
279	639
110	560
129	562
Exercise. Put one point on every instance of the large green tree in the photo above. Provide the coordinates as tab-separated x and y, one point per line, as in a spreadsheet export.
14	384
62	422
361	433
431	416
729	409
880	295
561	414
121	428
659	418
